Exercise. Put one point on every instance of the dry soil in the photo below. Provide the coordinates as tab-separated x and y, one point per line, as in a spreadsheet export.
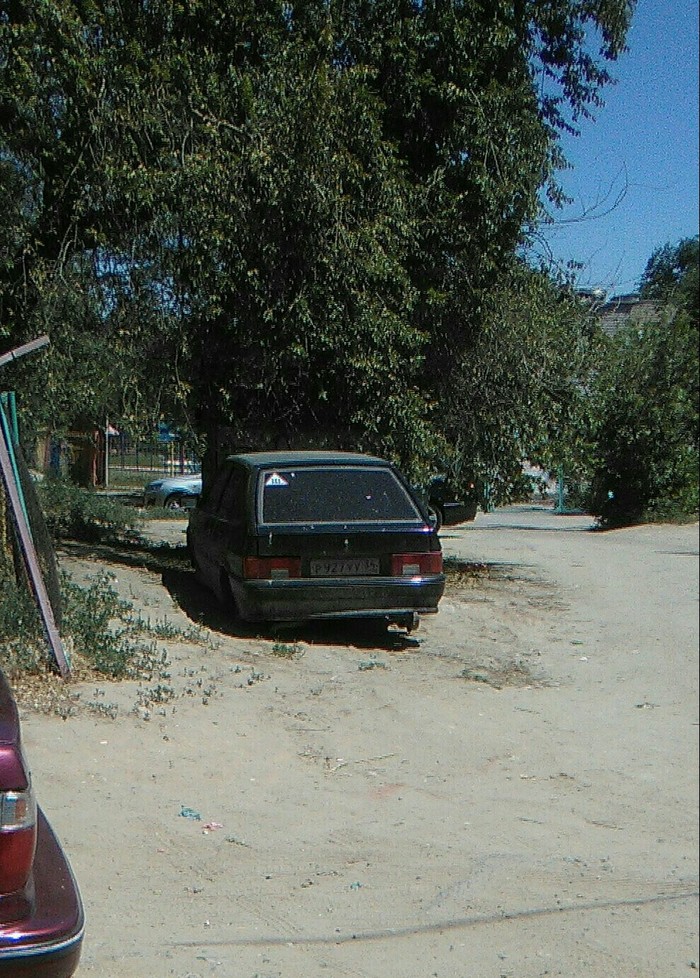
511	794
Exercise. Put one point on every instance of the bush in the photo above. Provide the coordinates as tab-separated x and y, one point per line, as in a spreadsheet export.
83	514
646	426
101	625
105	635
21	633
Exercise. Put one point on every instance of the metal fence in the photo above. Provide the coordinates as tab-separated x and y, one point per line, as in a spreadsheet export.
131	461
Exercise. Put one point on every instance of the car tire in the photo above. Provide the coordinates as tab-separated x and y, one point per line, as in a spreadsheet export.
196	567
173	502
226	597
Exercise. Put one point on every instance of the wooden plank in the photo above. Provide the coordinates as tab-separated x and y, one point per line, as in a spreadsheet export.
22	351
5	425
32	562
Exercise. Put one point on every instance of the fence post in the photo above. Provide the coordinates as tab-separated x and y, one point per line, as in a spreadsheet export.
560	508
106	453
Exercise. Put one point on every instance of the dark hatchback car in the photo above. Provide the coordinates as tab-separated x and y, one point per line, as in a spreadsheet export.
295	536
449	507
41	914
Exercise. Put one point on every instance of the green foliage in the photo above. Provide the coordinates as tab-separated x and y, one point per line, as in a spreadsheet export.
285	650
646	405
83	514
520	391
20	627
101	628
228	211
672	275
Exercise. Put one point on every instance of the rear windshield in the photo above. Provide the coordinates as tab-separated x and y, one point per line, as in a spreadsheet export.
344	494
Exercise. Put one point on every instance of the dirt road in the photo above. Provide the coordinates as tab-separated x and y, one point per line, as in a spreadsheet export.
513	795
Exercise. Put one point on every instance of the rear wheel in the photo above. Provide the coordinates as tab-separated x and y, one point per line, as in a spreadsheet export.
196	566
226	597
174	502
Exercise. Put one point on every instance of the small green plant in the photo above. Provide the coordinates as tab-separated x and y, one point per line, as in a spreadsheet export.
18	614
106	634
108	710
155	697
285	651
99	623
371	664
252	679
167	631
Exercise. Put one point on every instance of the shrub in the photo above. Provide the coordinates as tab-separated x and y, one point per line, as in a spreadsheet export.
20	629
83	514
646	426
104	633
101	625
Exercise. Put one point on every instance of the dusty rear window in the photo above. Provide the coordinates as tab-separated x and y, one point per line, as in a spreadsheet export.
334	495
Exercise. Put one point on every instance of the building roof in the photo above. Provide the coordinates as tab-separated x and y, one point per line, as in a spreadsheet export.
627	310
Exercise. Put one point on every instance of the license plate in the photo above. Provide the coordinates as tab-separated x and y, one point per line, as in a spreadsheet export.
345	567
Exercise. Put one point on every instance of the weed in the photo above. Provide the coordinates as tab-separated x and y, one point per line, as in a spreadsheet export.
475	676
167	631
108	710
500	675
105	633
155	696
284	651
371	664
462	574
254	677
100	624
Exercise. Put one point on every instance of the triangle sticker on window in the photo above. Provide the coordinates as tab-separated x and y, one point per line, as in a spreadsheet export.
275	480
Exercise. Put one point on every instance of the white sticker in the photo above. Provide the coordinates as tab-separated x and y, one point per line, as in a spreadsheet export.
275	480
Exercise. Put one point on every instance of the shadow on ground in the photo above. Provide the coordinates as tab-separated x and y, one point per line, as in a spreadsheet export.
172	563
202	607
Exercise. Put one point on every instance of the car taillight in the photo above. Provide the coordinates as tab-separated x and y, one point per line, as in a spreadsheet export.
17	838
416	565
271	568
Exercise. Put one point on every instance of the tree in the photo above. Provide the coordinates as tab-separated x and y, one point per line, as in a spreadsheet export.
646	404
281	211
671	275
521	391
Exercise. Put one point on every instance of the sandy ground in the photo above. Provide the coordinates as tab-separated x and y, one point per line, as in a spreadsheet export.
512	795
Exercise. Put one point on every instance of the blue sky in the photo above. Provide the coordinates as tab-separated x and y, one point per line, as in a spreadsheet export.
641	148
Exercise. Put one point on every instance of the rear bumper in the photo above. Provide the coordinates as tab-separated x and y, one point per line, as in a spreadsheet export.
305	599
45	942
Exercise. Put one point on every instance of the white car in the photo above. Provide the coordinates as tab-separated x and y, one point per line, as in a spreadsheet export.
173	492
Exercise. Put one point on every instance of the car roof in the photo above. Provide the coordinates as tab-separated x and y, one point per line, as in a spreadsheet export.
263	460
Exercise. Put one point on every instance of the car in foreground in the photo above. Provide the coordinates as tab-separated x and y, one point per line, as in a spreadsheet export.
298	536
173	492
41	913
